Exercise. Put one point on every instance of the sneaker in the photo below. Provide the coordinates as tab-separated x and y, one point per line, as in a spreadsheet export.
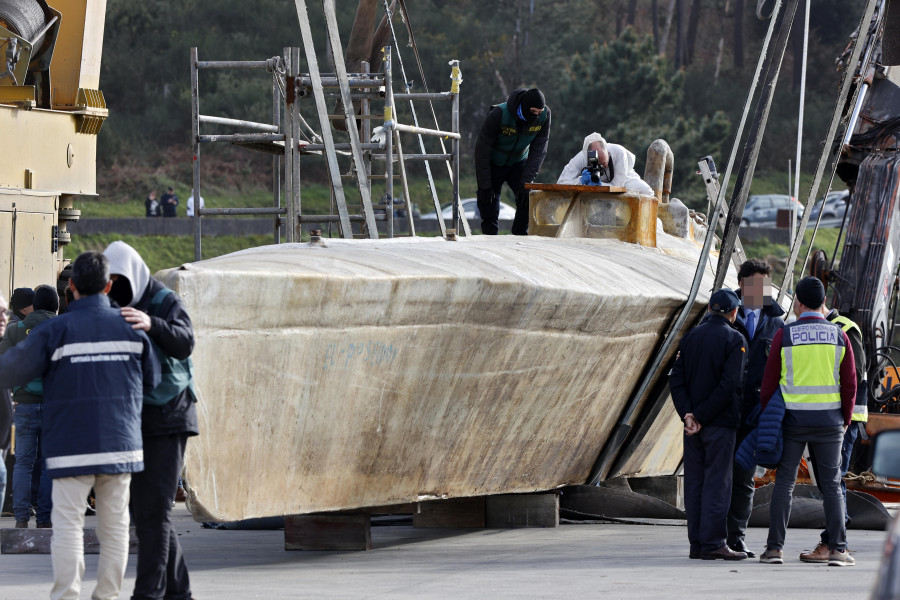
21	524
772	556
819	555
840	558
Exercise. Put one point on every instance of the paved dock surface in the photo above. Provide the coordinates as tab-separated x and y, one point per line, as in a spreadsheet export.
571	561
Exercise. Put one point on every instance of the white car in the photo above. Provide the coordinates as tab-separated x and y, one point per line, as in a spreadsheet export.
470	208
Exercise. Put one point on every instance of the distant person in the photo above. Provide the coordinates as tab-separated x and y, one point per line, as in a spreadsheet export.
190	204
706	385
510	148
169	203
811	366
758	320
151	204
96	368
614	167
28	418
6	410
20	303
168	419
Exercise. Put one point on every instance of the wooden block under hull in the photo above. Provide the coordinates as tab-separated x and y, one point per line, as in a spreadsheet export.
37	541
457	513
328	532
522	510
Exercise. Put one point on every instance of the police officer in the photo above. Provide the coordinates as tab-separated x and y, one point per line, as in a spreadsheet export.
811	365
857	425
511	148
758	319
705	383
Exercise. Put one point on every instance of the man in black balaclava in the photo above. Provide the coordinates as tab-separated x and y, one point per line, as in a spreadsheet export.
510	148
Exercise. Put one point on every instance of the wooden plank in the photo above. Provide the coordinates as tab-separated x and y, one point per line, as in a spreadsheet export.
328	532
522	510
37	541
557	187
327	138
458	513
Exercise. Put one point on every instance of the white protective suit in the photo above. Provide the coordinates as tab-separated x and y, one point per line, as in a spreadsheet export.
622	161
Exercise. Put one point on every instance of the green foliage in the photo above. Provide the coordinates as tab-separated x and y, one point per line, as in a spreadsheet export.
162	252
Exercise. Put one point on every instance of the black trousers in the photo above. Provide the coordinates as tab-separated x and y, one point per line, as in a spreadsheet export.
708	457
161	570
489	201
742	488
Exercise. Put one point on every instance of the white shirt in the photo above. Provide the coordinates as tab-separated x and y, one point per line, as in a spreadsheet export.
190	205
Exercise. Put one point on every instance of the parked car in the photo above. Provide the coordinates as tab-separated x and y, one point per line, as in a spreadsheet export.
470	208
762	209
886	463
835	204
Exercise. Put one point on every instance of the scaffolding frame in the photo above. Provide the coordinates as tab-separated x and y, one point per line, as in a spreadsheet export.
282	138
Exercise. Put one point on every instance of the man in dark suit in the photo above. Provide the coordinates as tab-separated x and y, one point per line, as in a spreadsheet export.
758	320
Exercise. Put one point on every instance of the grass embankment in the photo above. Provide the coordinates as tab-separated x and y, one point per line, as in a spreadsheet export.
777	254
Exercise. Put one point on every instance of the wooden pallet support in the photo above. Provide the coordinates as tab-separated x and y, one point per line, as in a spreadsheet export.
37	541
522	510
350	531
456	513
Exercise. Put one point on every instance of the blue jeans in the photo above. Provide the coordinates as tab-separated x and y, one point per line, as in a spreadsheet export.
28	434
850	437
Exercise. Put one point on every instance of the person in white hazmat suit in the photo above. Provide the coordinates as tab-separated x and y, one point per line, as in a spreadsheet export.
616	167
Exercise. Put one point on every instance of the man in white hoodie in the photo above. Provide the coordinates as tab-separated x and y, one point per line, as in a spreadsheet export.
616	167
168	418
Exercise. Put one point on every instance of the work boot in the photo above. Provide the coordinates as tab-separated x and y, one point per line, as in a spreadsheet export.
21	524
772	556
819	555
840	558
47	525
723	553
740	546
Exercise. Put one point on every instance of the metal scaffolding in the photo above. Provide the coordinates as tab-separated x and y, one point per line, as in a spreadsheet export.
283	139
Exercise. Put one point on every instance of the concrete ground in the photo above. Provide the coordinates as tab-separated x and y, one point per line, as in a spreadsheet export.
608	560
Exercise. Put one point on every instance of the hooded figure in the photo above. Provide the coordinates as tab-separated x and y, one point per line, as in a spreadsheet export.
168	418
510	148
618	172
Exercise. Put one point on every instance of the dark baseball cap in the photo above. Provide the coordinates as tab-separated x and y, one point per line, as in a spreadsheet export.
723	301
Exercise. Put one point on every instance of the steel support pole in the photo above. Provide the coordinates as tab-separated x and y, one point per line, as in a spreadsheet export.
389	138
195	131
294	231
289	142
454	164
276	160
754	140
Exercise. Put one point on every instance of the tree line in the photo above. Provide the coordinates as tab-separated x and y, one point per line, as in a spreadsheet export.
633	70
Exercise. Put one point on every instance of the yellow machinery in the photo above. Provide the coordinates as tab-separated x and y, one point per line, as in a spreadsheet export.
51	110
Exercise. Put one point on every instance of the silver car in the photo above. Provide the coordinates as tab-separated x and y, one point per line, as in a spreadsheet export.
763	209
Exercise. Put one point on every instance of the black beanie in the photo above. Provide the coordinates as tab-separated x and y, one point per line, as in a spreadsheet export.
810	292
21	298
532	98
46	298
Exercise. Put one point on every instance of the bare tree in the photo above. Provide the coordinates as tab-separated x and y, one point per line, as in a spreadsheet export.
693	25
654	16
680	41
632	9
664	42
738	41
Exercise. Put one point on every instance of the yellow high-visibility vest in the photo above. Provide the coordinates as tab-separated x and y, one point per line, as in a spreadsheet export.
861	408
811	355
